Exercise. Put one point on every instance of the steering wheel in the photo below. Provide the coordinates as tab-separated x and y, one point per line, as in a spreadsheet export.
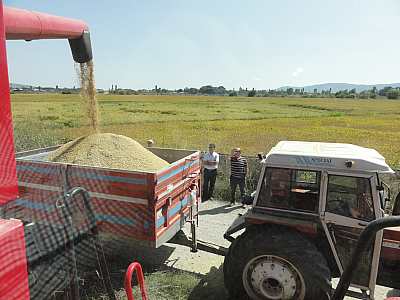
342	207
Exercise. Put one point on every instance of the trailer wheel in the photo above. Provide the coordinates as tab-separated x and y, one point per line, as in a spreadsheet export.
268	263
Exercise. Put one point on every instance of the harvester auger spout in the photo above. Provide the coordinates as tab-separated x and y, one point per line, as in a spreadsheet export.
21	24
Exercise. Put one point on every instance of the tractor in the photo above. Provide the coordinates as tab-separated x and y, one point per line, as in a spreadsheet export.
312	202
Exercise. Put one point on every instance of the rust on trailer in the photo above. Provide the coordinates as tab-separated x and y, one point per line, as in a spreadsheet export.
145	207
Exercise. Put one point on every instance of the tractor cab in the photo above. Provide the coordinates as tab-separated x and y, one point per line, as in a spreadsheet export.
308	177
324	193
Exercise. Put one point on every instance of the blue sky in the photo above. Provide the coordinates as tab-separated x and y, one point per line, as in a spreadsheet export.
255	44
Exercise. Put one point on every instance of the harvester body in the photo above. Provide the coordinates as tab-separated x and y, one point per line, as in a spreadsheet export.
326	194
19	24
14	235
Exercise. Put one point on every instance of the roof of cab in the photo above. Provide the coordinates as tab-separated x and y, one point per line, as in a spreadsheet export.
333	156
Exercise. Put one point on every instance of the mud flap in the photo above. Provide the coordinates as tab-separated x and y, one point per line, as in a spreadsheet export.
238	224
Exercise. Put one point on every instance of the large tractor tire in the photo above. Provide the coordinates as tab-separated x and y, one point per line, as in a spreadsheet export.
272	262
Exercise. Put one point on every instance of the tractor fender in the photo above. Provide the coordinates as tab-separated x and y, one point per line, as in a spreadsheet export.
238	224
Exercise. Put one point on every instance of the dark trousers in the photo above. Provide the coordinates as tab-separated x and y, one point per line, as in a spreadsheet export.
235	181
209	182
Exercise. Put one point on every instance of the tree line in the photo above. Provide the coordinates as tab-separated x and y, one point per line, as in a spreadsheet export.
374	93
388	92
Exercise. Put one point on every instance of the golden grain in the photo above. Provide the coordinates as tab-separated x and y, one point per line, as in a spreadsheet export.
107	150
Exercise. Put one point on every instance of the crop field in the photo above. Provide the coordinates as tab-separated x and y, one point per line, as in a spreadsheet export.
254	124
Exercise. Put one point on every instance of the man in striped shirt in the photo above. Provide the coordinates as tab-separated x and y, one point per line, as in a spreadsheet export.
238	174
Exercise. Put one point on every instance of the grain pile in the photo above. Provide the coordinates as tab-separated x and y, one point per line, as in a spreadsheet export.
107	150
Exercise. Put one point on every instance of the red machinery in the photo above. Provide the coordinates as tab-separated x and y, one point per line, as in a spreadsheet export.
19	24
13	268
24	25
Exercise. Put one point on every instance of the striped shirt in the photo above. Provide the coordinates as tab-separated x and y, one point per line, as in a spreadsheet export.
238	167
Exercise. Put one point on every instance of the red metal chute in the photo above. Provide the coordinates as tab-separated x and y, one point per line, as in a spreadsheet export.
21	24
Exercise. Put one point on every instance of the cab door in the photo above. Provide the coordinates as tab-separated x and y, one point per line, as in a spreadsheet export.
348	204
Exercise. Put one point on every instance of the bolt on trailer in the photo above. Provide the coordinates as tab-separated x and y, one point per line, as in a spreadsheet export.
311	204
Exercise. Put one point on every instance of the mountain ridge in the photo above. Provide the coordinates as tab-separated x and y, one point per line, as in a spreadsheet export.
338	86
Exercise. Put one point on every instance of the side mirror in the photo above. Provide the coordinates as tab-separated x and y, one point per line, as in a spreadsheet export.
385	196
387	205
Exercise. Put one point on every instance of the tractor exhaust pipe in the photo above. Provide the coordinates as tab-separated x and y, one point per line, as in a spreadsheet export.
21	24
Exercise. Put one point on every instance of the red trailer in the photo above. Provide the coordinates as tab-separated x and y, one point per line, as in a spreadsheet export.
130	206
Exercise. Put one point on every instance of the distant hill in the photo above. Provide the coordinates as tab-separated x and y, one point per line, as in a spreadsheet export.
341	86
19	86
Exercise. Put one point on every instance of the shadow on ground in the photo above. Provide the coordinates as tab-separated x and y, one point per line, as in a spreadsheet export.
210	286
152	261
165	282
221	210
168	283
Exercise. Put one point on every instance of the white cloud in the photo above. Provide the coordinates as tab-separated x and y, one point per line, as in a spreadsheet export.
297	72
257	78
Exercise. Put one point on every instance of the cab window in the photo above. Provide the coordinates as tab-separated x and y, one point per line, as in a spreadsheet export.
290	189
350	197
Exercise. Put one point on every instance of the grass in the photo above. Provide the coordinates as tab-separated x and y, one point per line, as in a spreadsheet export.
182	285
159	284
165	285
172	284
254	124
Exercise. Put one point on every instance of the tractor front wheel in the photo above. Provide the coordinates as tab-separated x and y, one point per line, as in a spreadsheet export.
273	263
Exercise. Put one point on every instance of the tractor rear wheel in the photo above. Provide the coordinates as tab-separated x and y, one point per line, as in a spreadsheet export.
271	263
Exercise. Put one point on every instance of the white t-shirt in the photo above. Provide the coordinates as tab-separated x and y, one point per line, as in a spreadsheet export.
211	157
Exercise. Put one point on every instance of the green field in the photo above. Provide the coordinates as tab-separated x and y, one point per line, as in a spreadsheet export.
254	124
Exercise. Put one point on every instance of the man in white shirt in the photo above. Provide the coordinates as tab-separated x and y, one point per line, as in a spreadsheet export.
210	163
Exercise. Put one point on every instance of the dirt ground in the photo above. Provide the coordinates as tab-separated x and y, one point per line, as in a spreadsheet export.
215	218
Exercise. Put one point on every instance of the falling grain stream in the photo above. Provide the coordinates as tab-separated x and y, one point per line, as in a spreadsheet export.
88	93
104	150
